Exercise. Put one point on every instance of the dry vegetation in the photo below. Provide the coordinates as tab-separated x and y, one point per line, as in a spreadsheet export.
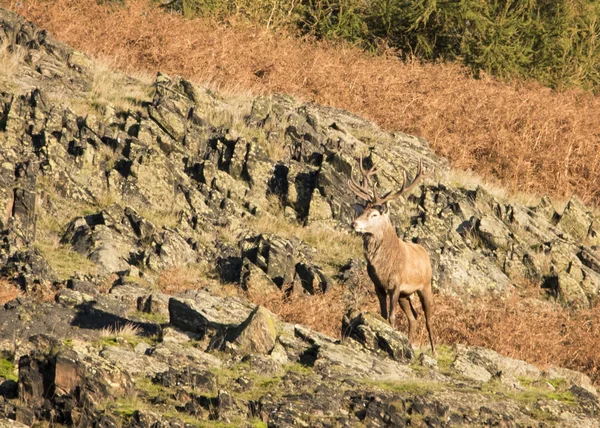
529	137
8	291
10	60
127	331
181	278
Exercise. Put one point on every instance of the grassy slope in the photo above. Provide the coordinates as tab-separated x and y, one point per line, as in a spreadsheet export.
525	135
502	130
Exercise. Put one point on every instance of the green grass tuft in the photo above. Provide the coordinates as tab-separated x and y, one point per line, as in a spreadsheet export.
64	261
7	370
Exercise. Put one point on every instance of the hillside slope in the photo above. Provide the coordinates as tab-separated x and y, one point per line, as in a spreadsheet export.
105	207
527	137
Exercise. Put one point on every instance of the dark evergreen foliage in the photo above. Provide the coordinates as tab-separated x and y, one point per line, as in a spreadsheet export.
552	41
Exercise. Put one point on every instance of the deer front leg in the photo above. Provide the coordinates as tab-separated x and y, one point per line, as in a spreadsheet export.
393	295
382	296
379	290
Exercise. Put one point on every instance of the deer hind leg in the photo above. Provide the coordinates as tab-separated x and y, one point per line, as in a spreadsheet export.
426	297
409	312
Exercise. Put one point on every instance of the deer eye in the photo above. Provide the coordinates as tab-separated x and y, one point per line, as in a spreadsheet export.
374	214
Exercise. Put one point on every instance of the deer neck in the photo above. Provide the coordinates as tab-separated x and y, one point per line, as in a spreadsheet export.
380	245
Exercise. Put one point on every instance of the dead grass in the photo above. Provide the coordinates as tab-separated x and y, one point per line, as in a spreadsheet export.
539	332
325	314
63	260
127	331
10	58
527	136
113	88
160	217
8	291
181	278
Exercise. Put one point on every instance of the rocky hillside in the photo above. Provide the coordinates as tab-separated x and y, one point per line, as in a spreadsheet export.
109	181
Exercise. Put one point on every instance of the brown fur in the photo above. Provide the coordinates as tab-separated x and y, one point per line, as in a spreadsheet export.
397	268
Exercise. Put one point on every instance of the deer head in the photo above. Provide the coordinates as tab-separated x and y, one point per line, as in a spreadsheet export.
373	214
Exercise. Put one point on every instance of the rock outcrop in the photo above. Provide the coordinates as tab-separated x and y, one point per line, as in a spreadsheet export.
109	185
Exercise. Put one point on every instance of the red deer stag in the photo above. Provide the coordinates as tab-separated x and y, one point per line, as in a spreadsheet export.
397	268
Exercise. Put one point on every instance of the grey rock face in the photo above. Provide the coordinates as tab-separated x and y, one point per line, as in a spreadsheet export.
257	334
202	313
284	263
375	334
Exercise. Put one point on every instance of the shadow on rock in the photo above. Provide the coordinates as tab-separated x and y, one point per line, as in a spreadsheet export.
90	317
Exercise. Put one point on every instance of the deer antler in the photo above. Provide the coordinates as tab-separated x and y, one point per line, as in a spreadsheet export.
370	195
404	189
362	190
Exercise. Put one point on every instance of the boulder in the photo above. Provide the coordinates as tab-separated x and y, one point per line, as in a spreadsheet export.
203	313
257	334
156	303
375	334
482	365
255	280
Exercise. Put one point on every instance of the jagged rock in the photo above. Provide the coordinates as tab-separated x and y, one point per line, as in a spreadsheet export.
156	303
96	237
176	353
82	286
68	381
148	419
568	278
380	414
199	380
312	278
228	407
129	294
29	269
257	334
575	220
255	280
70	297
375	334
282	263
170	249
202	313
482	365
545	208
131	362
493	232
327	356
274	255
9	423
118	239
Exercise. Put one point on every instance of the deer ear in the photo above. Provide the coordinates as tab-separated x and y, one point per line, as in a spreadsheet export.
384	208
358	208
